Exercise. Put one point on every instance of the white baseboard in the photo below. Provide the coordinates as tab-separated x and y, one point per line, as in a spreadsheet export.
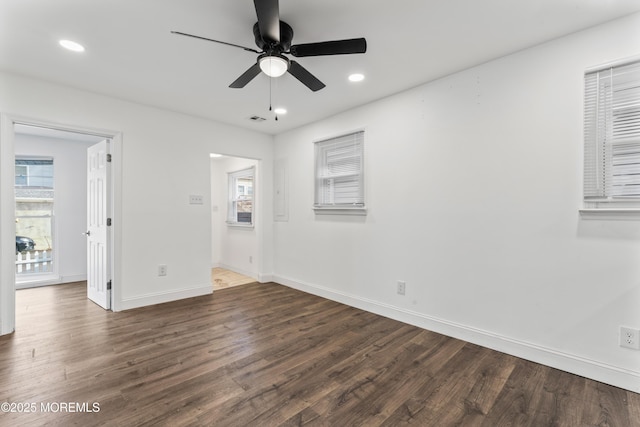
37	281
623	378
162	297
265	278
71	279
50	281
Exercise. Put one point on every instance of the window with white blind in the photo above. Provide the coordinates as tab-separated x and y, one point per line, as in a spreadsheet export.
240	203
339	177
612	138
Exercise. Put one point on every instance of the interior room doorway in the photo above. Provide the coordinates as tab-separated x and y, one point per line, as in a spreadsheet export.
236	220
8	125
51	202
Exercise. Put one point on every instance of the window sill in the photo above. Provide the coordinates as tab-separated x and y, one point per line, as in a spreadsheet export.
340	210
610	213
239	225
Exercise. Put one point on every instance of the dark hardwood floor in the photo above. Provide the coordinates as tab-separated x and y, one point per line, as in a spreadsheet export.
267	355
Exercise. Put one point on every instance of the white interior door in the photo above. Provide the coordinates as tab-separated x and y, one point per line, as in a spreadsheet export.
98	266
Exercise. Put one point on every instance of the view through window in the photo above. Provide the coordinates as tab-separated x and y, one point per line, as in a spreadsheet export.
240	210
34	193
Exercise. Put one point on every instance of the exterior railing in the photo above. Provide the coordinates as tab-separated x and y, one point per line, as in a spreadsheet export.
34	262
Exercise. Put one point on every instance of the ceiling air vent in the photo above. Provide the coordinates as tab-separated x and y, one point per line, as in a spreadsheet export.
257	119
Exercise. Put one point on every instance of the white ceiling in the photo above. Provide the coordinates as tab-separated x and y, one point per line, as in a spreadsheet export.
132	55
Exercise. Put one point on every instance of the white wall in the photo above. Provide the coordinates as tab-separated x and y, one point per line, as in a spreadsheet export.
473	185
234	248
164	159
70	203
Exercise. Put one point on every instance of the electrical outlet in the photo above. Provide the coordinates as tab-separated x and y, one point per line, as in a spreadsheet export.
630	338
401	287
162	270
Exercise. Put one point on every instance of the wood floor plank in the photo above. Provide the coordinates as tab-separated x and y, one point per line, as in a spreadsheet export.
518	401
267	355
484	385
606	406
394	380
633	407
425	406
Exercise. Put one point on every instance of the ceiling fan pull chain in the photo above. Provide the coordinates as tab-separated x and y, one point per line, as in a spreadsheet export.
270	97
270	84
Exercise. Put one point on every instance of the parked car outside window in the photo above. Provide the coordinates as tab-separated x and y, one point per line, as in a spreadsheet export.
24	244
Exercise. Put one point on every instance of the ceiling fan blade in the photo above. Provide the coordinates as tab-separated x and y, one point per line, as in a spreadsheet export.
246	77
215	41
336	47
268	13
305	77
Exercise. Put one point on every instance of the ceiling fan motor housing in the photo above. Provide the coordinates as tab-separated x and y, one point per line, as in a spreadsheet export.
286	36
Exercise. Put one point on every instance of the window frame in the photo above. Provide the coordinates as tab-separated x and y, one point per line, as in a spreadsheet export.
31	164
602	98
322	149
232	199
51	272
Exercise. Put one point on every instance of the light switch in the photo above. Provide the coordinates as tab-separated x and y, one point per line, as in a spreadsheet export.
195	199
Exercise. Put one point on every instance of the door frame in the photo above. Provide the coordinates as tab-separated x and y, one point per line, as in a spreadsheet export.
259	220
7	210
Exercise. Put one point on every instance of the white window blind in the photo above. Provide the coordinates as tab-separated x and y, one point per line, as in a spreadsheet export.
339	172
612	137
240	199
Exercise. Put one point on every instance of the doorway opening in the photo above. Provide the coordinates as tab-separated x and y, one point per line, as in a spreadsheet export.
8	126
235	220
50	205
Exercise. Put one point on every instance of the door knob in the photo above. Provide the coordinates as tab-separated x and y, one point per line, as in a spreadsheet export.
88	233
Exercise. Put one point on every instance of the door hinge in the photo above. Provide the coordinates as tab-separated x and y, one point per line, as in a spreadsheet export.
109	285
108	158
108	222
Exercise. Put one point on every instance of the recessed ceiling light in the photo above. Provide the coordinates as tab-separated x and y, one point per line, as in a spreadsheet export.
356	77
71	45
214	155
280	111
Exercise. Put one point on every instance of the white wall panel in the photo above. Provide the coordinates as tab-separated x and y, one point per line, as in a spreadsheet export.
474	182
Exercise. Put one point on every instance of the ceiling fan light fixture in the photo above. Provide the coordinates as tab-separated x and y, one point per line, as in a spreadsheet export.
273	66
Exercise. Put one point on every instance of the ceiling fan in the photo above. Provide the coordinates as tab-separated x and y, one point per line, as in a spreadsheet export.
274	37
